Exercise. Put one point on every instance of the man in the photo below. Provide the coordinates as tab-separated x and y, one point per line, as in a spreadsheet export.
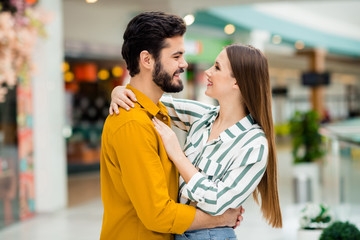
139	184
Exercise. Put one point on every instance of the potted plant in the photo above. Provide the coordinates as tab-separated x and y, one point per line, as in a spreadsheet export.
306	140
340	231
306	151
313	219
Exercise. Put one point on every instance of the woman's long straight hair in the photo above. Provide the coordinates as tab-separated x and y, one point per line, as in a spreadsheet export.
250	68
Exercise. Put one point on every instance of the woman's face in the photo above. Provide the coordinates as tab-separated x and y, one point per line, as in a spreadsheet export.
219	76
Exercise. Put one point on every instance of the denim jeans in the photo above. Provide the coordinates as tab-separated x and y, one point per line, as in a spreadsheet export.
224	233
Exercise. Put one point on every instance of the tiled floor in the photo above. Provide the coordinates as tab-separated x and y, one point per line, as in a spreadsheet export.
82	220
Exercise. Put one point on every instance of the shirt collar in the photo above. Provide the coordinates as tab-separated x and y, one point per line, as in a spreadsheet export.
145	102
211	116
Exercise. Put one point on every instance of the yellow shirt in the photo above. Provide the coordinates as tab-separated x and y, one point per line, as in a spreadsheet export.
139	184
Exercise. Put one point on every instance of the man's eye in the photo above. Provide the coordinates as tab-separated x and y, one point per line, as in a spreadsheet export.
217	68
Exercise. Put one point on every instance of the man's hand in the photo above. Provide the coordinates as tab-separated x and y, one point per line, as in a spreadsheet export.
240	217
121	97
232	217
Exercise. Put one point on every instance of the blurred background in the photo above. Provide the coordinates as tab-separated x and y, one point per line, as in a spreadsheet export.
60	59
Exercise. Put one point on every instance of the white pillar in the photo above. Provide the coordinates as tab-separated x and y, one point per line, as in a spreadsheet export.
49	116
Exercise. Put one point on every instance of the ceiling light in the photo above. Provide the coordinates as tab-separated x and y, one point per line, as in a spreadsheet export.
276	39
91	1
229	29
299	45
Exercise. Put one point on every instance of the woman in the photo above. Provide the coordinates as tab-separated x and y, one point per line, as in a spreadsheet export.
229	151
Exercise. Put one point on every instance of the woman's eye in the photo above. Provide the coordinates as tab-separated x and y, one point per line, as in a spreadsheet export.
217	68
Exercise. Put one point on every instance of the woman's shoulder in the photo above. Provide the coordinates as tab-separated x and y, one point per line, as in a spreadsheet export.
253	136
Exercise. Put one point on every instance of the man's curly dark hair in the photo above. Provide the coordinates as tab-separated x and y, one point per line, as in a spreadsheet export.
148	31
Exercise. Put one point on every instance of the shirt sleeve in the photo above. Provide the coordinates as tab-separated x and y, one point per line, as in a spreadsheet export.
215	197
184	112
144	179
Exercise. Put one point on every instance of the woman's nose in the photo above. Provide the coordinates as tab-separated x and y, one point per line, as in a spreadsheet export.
208	72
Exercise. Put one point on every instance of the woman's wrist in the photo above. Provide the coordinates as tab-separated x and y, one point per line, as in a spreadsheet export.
185	167
180	158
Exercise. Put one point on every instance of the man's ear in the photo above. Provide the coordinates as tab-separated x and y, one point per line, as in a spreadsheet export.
146	60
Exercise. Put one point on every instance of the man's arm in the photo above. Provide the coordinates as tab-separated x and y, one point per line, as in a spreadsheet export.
231	218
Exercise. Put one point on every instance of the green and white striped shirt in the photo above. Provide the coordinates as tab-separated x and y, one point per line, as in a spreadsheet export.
230	167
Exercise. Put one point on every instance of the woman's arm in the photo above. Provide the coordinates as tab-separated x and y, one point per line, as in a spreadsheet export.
216	196
182	112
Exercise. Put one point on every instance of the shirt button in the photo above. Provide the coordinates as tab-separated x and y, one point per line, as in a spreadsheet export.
164	118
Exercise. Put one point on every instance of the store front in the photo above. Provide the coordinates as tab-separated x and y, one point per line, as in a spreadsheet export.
88	85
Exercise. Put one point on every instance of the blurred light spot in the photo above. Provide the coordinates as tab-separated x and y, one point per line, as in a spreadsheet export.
67	131
117	71
229	29
299	45
276	39
68	76
65	66
103	74
189	19
91	1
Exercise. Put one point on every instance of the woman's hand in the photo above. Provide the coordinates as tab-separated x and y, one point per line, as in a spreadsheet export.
120	96
173	150
169	140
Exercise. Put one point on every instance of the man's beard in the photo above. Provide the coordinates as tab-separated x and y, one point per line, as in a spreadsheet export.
164	80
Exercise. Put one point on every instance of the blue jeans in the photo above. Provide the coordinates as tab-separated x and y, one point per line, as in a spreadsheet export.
223	233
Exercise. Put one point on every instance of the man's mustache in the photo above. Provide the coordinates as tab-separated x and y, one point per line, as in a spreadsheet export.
181	70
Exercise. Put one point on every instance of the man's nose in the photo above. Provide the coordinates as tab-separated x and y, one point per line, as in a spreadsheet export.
183	64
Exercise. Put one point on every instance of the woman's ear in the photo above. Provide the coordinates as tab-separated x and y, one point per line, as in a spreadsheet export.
236	86
146	60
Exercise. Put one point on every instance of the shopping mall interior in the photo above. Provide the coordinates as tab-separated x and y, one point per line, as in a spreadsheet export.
60	60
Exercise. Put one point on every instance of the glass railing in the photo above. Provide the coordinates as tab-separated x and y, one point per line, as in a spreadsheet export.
341	168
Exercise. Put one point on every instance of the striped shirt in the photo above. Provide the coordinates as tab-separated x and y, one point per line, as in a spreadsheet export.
230	167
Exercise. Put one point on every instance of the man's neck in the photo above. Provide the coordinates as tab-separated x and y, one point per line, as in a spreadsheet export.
147	86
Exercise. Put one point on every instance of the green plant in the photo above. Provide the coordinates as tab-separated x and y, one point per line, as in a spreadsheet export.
306	140
341	231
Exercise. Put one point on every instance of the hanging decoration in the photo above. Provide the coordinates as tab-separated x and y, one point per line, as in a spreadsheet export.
21	23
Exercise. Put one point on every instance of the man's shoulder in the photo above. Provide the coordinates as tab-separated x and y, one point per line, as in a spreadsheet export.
136	116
